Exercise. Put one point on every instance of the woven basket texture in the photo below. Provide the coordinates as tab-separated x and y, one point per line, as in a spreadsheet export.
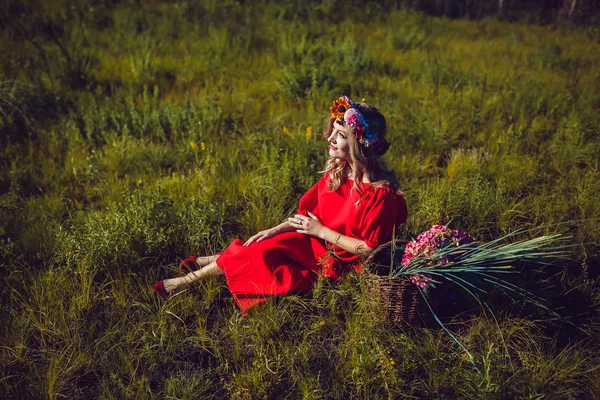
399	298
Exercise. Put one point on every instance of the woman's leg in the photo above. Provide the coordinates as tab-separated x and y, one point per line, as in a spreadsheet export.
194	262
212	269
203	261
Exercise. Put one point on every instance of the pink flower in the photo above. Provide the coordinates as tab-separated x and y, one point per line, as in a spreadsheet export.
351	117
426	244
420	280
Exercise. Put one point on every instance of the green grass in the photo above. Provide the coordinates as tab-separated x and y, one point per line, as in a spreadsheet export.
130	138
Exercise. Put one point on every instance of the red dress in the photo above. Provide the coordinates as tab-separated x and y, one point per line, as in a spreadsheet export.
289	262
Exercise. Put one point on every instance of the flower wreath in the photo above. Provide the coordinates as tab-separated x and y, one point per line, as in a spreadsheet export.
344	109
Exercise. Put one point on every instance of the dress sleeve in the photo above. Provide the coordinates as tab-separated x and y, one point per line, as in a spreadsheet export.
386	211
309	201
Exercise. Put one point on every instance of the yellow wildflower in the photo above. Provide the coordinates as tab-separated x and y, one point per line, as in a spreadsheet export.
287	131
202	146
308	133
193	145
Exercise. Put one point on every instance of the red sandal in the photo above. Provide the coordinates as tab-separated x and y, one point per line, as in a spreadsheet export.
159	288
189	264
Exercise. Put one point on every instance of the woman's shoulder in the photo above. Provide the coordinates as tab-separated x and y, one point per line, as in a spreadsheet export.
387	201
384	196
384	189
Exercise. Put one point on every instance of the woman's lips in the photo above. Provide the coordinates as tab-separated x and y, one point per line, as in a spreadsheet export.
332	147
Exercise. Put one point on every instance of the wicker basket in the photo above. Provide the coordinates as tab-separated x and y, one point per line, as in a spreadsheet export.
399	298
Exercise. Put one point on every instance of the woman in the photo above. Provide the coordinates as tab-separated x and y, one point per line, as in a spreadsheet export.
353	208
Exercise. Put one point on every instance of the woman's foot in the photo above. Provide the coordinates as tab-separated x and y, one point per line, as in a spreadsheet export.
189	264
165	287
196	262
159	288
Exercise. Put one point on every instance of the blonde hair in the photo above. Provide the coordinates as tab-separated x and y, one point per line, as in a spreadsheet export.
363	159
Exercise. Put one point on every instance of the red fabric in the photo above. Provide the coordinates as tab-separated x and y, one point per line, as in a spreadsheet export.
289	262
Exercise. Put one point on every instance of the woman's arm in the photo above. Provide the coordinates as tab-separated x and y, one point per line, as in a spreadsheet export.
276	230
353	245
311	226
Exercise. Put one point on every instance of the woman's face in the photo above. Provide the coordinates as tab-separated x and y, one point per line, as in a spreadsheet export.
339	144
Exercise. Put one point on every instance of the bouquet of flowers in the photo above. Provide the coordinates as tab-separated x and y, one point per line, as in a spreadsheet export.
441	252
427	243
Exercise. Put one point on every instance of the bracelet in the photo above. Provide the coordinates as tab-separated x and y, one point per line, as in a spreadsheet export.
337	239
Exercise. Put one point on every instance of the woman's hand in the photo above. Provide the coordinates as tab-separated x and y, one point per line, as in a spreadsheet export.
307	225
312	226
262	235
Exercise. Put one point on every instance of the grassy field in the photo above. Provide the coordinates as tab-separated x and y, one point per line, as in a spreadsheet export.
132	137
